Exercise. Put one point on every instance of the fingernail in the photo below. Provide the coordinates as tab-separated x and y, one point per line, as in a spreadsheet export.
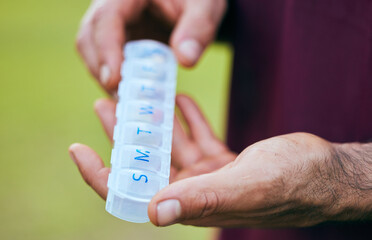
104	74
168	212
190	49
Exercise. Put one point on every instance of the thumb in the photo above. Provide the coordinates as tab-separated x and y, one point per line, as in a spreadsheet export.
195	29
191	200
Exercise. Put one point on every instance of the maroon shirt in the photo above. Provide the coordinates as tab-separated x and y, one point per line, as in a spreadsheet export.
301	65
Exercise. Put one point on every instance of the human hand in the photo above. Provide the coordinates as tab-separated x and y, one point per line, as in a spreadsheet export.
293	180
108	24
192	154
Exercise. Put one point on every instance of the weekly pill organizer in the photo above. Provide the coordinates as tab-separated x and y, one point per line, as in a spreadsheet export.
140	159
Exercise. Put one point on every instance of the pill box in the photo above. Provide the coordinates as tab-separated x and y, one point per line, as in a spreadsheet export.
140	159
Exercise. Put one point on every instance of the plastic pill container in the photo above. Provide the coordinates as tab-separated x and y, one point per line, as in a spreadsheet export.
140	159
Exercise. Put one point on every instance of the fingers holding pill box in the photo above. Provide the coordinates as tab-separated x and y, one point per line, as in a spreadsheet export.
189	157
214	188
142	134
108	24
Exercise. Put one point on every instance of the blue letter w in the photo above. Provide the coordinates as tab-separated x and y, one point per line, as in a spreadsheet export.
146	110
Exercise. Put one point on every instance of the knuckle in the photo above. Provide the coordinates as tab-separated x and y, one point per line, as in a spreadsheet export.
97	15
88	178
101	12
208	23
105	47
80	41
210	205
82	37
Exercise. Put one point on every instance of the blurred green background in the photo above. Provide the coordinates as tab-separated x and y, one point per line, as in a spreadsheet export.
46	99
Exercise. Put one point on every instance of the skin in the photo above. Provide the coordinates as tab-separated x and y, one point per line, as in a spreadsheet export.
293	180
108	24
190	152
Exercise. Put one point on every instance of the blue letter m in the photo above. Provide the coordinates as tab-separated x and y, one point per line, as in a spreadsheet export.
143	156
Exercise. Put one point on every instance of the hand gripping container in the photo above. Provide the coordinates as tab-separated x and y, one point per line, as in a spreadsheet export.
140	159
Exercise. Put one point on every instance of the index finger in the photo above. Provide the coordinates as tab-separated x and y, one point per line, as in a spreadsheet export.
110	22
102	35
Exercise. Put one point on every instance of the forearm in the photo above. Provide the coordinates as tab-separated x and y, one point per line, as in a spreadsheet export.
353	172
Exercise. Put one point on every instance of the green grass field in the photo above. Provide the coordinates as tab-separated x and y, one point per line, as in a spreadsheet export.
46	99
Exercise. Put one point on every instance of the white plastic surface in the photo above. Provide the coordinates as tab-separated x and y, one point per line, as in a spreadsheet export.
140	159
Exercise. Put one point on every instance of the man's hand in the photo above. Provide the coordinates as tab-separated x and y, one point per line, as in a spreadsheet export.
108	24
293	180
194	152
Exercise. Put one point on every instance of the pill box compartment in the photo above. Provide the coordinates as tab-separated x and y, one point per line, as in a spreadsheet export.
136	183
147	112
148	49
142	89
126	207
146	90
142	158
144	134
